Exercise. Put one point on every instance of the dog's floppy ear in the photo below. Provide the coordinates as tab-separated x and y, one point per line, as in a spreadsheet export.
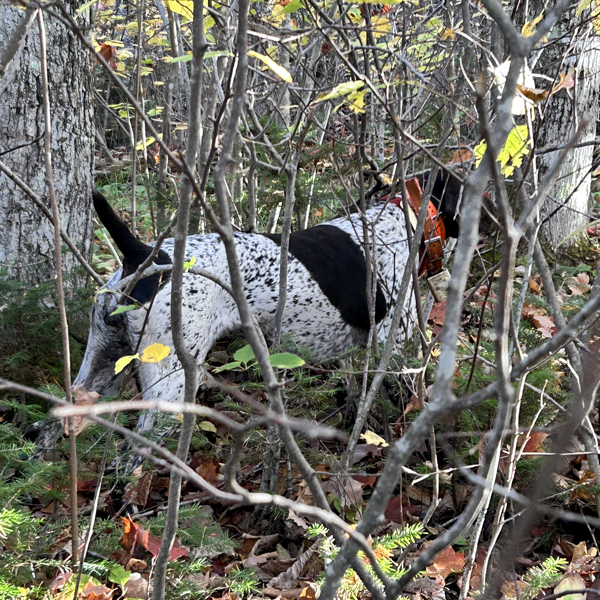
134	251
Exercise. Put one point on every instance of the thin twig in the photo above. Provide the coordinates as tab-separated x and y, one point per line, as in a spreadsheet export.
60	293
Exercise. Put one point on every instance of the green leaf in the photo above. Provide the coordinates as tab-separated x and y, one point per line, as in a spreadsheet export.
182	58
292	6
285	360
207	426
86	5
122	309
217	53
228	366
119	575
244	354
188	264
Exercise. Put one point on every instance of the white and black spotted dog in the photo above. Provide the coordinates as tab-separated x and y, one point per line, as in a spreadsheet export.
326	307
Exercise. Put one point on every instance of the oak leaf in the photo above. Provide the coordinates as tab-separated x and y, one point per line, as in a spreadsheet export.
447	562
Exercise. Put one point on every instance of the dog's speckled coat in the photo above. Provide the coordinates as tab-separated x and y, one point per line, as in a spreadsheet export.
209	312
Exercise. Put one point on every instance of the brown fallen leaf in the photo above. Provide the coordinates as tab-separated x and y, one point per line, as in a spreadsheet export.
298	519
582	556
95	592
579	285
81	397
138	493
438	313
534	285
509	590
530	310
446	562
208	467
461	156
545	325
136	565
136	587
309	593
292	594
571	581
566	82
347	489
134	534
109	54
288	579
364	450
535	443
534	94
59	581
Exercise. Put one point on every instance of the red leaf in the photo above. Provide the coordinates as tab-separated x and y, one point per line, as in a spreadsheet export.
129	533
109	54
134	534
535	442
438	313
446	562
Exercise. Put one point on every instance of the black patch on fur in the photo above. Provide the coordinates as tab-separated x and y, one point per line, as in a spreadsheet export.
134	251
337	264
445	195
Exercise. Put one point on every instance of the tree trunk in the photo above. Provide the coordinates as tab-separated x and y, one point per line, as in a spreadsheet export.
26	238
563	115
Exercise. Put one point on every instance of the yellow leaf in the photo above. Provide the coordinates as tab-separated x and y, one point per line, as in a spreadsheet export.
149	140
529	28
184	8
515	149
208	22
357	101
381	26
277	69
480	151
373	438
512	153
447	34
155	353
582	6
596	18
342	89
124	361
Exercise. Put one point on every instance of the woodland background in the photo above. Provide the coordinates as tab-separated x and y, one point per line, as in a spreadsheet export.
477	474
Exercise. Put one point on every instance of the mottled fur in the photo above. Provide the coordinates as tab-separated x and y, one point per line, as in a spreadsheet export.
209	312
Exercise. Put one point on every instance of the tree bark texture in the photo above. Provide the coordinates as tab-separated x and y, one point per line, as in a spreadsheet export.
562	116
26	235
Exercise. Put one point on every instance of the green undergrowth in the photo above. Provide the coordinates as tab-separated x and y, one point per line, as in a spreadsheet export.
30	341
